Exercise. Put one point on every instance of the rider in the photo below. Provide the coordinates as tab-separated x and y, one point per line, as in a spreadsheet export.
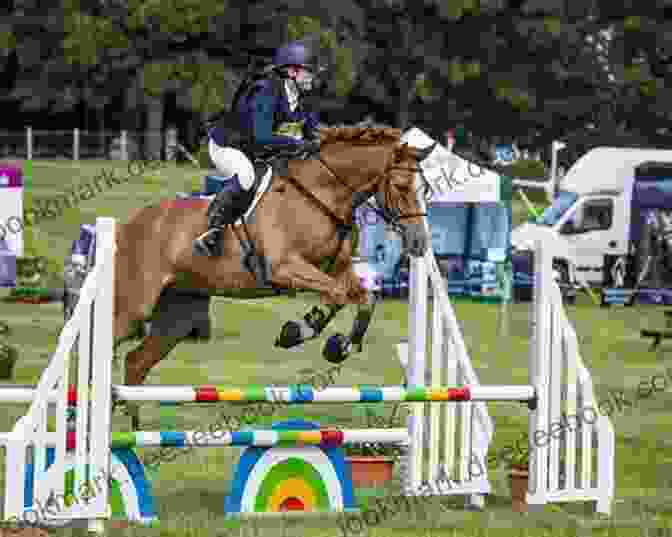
270	112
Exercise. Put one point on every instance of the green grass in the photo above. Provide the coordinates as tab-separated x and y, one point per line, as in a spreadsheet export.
190	490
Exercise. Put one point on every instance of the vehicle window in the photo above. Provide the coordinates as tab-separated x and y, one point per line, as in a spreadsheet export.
596	215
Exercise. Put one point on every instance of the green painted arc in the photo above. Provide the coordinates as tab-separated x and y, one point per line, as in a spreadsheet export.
290	469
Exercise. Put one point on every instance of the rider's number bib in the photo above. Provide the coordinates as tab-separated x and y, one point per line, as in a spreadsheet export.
293	130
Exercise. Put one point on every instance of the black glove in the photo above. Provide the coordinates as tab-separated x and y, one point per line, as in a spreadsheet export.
311	146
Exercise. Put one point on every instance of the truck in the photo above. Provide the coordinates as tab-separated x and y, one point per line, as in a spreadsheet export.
598	211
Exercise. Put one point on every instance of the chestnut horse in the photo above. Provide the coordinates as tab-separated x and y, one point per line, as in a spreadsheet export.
295	226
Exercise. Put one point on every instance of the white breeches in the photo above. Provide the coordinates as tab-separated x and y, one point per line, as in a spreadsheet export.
230	161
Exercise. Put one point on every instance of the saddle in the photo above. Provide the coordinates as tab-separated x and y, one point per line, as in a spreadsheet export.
263	158
278	157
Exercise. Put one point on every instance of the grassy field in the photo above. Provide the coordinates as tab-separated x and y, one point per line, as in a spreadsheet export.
190	490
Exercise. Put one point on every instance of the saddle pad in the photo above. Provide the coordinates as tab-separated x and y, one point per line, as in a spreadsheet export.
184	200
263	187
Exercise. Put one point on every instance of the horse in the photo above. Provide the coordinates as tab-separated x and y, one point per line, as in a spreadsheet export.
304	217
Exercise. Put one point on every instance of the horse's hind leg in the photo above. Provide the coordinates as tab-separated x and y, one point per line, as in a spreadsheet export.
173	320
150	352
140	361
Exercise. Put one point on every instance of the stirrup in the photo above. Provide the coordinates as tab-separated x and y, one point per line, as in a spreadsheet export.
203	236
204	245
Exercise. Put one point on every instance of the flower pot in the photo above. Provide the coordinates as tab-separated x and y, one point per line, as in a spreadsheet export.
368	471
519	479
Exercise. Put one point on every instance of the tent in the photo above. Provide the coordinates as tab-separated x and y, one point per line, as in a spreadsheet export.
470	220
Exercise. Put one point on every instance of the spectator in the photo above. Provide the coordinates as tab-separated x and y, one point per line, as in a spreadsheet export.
380	254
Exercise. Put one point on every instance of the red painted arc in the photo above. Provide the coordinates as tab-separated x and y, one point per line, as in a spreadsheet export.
292	504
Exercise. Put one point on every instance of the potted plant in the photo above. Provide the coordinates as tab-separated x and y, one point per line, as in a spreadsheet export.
519	477
371	464
32	273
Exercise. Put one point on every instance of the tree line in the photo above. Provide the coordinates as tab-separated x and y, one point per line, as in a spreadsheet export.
534	71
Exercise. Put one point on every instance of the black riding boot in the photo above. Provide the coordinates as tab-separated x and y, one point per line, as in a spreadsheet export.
228	206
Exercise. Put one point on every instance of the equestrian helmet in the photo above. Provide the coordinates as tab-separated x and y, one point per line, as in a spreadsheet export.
294	53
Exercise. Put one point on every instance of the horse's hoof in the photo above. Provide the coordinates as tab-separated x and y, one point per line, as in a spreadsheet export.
337	349
290	335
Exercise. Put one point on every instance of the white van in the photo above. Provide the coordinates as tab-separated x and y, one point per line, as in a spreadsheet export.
591	215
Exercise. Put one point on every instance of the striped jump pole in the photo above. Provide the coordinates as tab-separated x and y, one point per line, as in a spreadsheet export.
293	395
324	438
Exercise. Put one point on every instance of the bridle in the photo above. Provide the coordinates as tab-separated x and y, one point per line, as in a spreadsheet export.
391	216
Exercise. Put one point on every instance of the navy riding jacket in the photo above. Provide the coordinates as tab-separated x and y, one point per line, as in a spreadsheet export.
261	110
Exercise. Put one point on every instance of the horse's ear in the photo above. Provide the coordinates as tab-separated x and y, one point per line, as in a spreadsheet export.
405	151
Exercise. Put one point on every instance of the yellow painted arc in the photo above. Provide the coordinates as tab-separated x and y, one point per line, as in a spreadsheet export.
293	488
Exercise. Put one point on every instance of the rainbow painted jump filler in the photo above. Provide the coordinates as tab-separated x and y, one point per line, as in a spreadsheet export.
83	446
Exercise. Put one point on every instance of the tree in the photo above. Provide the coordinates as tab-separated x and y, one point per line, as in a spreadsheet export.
402	42
37	75
196	49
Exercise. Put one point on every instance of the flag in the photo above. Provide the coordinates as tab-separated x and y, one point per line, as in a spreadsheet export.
450	139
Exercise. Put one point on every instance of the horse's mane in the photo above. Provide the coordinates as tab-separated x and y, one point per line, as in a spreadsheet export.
360	135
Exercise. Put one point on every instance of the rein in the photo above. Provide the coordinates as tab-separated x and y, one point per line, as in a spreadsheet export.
344	229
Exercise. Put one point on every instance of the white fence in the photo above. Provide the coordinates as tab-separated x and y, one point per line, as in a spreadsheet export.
89	331
77	143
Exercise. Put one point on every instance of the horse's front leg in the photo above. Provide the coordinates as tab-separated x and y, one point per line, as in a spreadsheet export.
294	333
299	274
338	346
